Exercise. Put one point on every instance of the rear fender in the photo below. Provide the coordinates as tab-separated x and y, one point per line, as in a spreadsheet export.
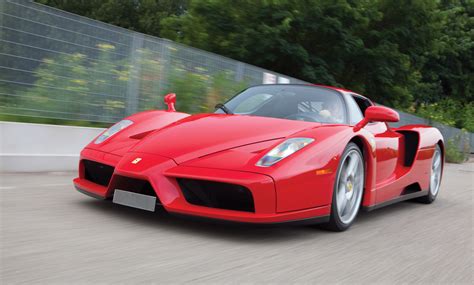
428	138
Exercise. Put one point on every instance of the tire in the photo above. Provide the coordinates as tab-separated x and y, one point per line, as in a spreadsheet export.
435	177
348	189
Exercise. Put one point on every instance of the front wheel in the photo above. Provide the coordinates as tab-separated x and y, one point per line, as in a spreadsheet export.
348	189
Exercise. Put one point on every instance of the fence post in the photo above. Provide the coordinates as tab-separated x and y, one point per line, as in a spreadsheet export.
2	10
239	73
164	69
133	84
471	142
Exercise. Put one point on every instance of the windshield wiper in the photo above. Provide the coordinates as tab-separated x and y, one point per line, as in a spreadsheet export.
224	108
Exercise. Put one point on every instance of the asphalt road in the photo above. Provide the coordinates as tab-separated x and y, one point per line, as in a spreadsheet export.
52	234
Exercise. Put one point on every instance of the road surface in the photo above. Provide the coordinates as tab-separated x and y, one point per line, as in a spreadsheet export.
52	234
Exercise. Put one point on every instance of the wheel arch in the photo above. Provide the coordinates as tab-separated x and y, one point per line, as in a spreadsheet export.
440	143
368	154
441	146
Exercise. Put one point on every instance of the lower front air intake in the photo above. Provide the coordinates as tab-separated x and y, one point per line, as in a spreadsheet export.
97	173
217	195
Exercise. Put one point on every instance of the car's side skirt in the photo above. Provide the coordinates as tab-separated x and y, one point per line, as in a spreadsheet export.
396	200
303	222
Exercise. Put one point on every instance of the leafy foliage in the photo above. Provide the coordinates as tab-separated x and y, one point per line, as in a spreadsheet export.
453	154
405	54
449	112
95	87
417	55
198	92
141	16
73	83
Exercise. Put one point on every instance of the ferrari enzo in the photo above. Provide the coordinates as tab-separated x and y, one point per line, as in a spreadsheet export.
271	154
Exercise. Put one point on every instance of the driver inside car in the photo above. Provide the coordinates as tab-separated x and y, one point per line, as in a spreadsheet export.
332	112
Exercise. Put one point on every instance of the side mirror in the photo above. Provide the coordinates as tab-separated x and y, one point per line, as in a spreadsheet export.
377	114
170	100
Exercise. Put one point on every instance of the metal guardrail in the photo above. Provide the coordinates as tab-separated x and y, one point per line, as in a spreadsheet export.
463	139
55	64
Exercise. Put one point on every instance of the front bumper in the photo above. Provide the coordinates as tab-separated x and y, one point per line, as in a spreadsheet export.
162	173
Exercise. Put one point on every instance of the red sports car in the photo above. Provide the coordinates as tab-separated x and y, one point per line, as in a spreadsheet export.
271	154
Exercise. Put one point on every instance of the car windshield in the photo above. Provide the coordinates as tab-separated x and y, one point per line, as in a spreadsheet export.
292	102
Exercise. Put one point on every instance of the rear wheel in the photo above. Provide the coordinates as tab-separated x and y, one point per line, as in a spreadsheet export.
435	177
348	189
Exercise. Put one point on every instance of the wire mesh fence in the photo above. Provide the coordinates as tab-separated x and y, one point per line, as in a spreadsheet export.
59	65
54	64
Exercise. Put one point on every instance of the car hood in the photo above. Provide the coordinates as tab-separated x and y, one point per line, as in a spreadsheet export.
200	135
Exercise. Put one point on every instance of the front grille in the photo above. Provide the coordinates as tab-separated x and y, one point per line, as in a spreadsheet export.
133	185
97	172
217	195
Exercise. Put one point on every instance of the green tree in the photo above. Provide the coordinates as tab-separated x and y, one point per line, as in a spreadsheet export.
370	46
138	15
450	66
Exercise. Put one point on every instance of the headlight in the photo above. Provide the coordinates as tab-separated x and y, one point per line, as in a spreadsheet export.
113	130
283	150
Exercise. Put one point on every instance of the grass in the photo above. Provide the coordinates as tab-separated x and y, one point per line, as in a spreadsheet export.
453	154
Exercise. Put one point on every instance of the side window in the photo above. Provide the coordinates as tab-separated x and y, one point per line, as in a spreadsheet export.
355	113
362	103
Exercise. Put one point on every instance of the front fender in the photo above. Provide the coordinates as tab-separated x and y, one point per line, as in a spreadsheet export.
306	178
143	124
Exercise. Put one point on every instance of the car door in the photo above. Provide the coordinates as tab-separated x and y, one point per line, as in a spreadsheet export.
387	146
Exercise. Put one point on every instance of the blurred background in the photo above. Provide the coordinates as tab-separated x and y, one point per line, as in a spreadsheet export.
91	63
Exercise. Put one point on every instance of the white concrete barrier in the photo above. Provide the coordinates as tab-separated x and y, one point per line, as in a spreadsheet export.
38	148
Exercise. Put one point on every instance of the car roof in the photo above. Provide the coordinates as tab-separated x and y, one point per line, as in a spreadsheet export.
332	87
339	89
